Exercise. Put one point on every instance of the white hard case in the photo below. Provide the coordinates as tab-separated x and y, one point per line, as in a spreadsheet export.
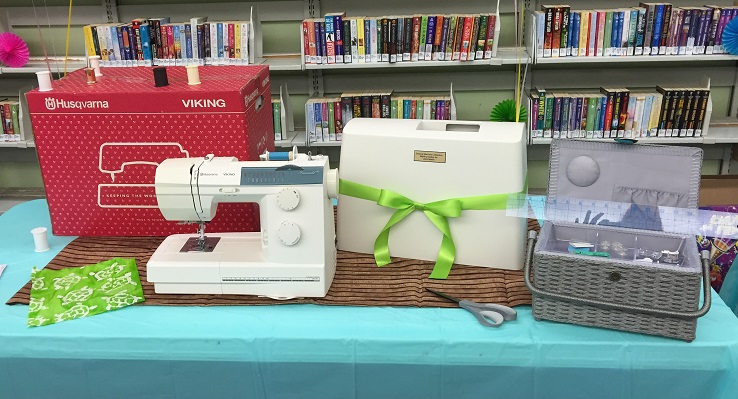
481	158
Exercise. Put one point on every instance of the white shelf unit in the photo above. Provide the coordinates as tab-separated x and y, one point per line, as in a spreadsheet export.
18	144
452	109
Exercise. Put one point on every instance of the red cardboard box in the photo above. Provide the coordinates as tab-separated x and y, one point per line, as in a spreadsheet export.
99	144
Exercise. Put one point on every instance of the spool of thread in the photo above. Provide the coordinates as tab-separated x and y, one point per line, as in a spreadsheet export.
280	156
193	75
90	73
95	64
44	81
160	77
40	241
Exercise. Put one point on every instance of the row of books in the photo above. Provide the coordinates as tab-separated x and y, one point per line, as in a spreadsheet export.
279	133
616	112
326	117
650	29
338	39
10	130
156	41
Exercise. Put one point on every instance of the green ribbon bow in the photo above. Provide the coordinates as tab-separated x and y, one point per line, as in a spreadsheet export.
437	212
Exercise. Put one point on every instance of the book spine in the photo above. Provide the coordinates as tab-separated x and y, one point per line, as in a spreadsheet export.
601	17
338	38
556	34
348	55
438	37
393	40
650	16
693	28
188	50
633	31
416	35
624	32
722	22
714	18
360	41
623	115
548	117
422	36
481	37
430	36
592	34
89	43
699	124
466	38
578	27
347	112
330	108
665	29
375	46
459	38
354	29
443	39
607	44
548	32
564	37
630	110
640	31
322	44
541	112
703	30
400	39
384	40
490	36
408	39
232	41
557	117
450	40
329	40
565	122
571	33
146	42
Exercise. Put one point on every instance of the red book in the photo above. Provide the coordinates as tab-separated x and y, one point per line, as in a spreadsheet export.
231	41
466	37
416	38
164	41
305	39
556	31
170	37
413	110
338	116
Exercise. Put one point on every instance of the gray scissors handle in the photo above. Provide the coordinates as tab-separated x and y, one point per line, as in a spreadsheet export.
489	314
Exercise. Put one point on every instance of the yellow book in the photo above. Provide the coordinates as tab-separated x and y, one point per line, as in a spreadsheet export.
361	45
584	32
237	37
89	43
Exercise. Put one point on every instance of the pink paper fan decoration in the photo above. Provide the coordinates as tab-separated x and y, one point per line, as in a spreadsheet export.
13	50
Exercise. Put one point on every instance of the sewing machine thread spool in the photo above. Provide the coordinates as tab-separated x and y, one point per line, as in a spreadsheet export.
44	81
193	75
280	155
90	73
95	64
40	241
160	77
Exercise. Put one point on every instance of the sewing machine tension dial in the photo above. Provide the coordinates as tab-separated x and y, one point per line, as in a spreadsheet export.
288	199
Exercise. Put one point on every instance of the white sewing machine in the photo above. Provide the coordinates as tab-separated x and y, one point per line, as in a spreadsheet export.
294	254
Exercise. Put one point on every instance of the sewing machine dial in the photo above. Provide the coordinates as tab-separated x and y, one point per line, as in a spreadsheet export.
288	233
288	199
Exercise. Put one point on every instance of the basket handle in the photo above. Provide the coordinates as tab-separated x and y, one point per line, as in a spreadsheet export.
593	302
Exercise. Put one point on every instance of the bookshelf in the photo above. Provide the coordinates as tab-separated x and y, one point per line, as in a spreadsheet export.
479	83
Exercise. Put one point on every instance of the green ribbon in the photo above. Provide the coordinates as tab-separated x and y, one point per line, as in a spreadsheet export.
437	212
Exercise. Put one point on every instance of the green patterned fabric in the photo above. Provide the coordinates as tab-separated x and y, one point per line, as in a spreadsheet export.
71	293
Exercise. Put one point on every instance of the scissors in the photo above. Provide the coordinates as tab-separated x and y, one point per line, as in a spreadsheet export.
488	314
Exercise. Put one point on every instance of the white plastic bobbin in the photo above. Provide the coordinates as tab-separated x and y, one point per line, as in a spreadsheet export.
193	75
40	241
95	64
44	81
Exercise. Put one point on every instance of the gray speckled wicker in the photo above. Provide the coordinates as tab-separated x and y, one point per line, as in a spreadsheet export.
672	289
626	295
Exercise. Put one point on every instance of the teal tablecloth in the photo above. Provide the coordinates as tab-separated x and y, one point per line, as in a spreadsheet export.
306	351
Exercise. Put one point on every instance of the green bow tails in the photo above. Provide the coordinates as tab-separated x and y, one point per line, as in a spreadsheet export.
437	212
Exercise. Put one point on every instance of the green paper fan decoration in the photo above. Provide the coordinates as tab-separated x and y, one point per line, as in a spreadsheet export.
504	111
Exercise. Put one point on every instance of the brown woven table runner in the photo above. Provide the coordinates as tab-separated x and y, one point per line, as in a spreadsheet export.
358	280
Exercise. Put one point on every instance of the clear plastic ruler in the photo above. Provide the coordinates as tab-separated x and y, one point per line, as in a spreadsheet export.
668	219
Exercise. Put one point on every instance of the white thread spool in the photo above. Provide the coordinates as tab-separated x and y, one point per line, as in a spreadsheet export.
44	81
95	64
40	240
193	75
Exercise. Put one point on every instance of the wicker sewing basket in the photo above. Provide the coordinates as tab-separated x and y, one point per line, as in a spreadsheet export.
621	292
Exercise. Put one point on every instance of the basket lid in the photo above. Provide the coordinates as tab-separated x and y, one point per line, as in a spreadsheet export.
647	175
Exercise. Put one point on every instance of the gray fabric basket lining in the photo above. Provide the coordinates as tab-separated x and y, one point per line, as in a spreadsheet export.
554	238
644	174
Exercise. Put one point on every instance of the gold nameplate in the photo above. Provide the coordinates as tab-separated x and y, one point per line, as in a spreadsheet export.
430	156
